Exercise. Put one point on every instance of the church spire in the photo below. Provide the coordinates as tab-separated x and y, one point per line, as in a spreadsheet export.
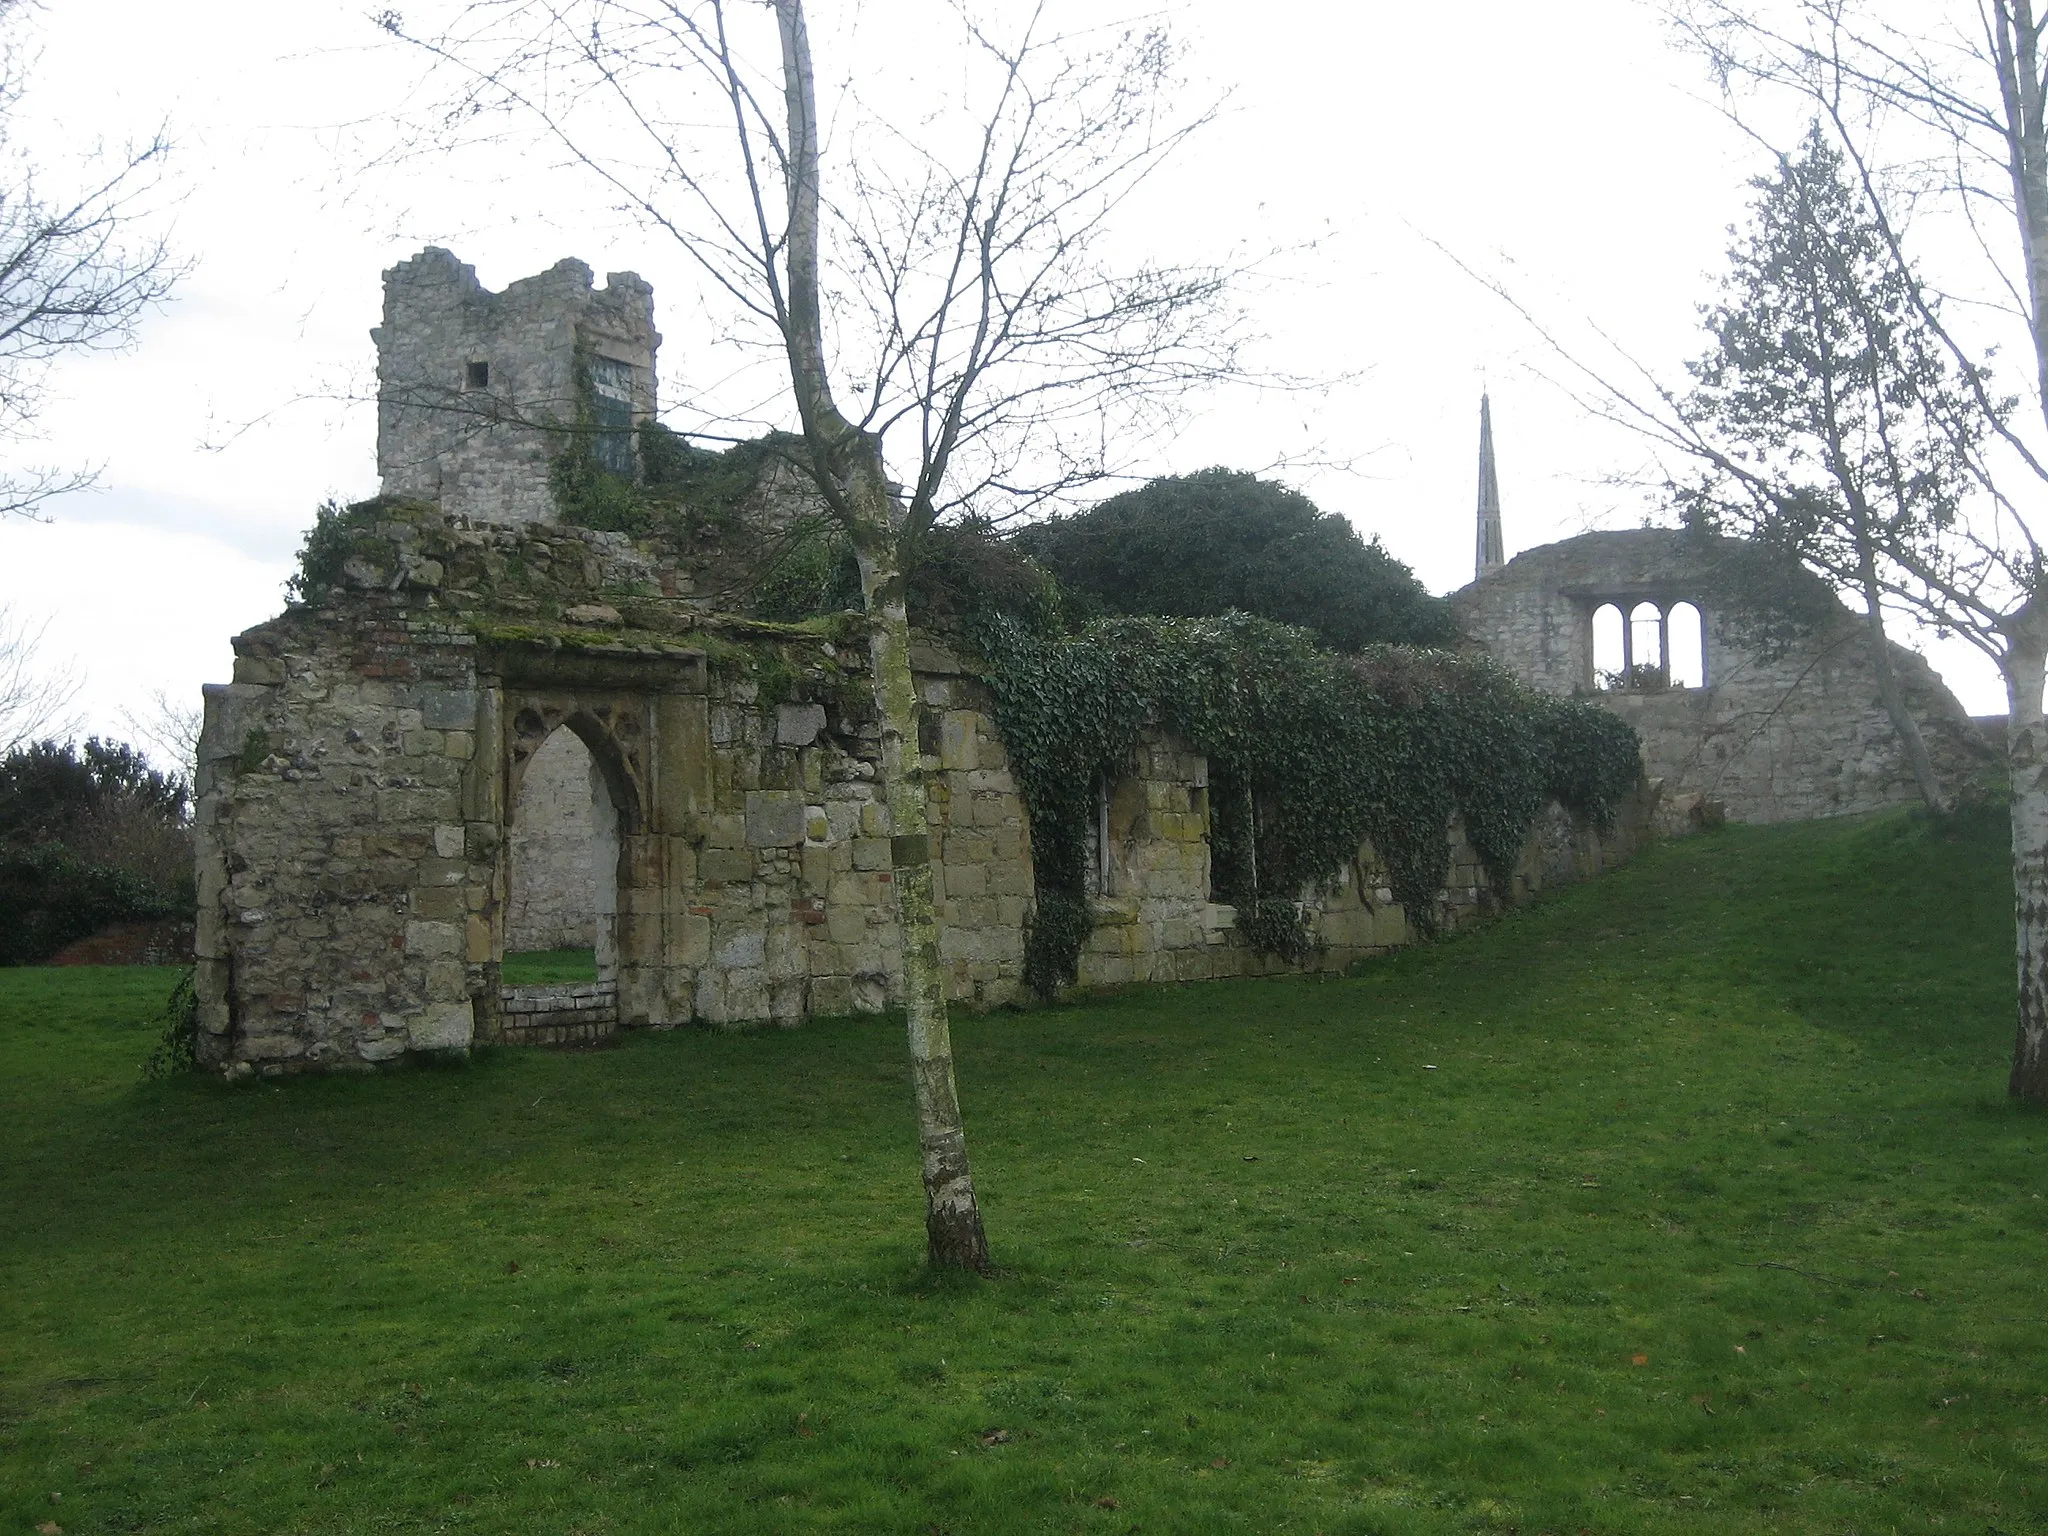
1491	555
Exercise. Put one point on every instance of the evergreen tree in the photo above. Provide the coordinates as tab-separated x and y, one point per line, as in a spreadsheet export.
1838	426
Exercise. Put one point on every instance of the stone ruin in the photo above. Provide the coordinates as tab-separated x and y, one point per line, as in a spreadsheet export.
489	730
475	388
1731	727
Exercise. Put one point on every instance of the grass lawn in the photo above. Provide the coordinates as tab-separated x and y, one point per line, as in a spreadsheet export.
542	967
1688	1201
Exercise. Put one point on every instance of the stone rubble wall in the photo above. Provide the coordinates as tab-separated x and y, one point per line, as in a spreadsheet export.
1768	739
360	808
484	453
343	889
1157	922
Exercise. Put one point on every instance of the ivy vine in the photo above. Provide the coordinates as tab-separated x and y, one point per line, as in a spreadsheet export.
1310	755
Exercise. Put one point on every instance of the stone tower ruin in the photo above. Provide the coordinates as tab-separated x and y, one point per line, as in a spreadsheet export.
478	392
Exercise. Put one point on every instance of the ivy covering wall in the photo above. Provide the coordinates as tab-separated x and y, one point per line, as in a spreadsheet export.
1310	755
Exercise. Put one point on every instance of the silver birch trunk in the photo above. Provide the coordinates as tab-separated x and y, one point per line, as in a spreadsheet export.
2026	748
850	461
2018	61
954	1237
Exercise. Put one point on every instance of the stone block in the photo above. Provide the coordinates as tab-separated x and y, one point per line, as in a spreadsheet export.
448	841
262	671
870	853
874	819
726	866
447	709
446	978
846	923
958	741
442	903
852	891
831	996
440	871
433	940
690	940
442	1027
743	950
818	868
798	725
775	819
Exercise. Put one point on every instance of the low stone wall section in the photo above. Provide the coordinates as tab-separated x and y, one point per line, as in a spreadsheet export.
584	1014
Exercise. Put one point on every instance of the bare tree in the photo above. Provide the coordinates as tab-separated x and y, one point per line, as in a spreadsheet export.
169	728
75	273
34	696
956	330
1942	111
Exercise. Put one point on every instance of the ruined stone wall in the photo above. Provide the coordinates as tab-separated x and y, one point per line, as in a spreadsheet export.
366	780
469	382
344	859
1767	739
1158	922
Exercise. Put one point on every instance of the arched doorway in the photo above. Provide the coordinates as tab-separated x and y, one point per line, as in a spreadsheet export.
561	898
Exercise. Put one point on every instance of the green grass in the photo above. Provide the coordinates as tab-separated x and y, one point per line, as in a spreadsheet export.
1711	1217
540	967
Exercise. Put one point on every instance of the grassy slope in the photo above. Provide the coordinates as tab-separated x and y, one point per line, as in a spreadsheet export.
1712	1217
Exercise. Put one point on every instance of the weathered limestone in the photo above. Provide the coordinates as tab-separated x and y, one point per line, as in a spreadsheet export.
364	778
476	390
486	731
563	832
1787	739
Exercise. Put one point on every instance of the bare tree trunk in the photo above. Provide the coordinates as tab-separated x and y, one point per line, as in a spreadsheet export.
954	1238
2027	757
2016	54
1910	738
850	471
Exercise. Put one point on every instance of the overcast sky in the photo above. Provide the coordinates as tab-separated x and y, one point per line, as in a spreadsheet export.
1564	148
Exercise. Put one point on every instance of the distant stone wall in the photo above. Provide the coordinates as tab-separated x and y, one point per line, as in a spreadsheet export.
553	900
474	387
1766	739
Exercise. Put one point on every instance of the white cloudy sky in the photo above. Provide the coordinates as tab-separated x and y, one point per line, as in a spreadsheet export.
1563	147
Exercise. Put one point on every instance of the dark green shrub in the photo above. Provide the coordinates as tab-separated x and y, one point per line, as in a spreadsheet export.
49	897
1202	545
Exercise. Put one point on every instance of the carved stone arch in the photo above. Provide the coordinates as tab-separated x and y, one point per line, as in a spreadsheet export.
532	720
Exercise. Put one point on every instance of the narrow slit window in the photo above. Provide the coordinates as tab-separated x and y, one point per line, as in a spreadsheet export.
1104	884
